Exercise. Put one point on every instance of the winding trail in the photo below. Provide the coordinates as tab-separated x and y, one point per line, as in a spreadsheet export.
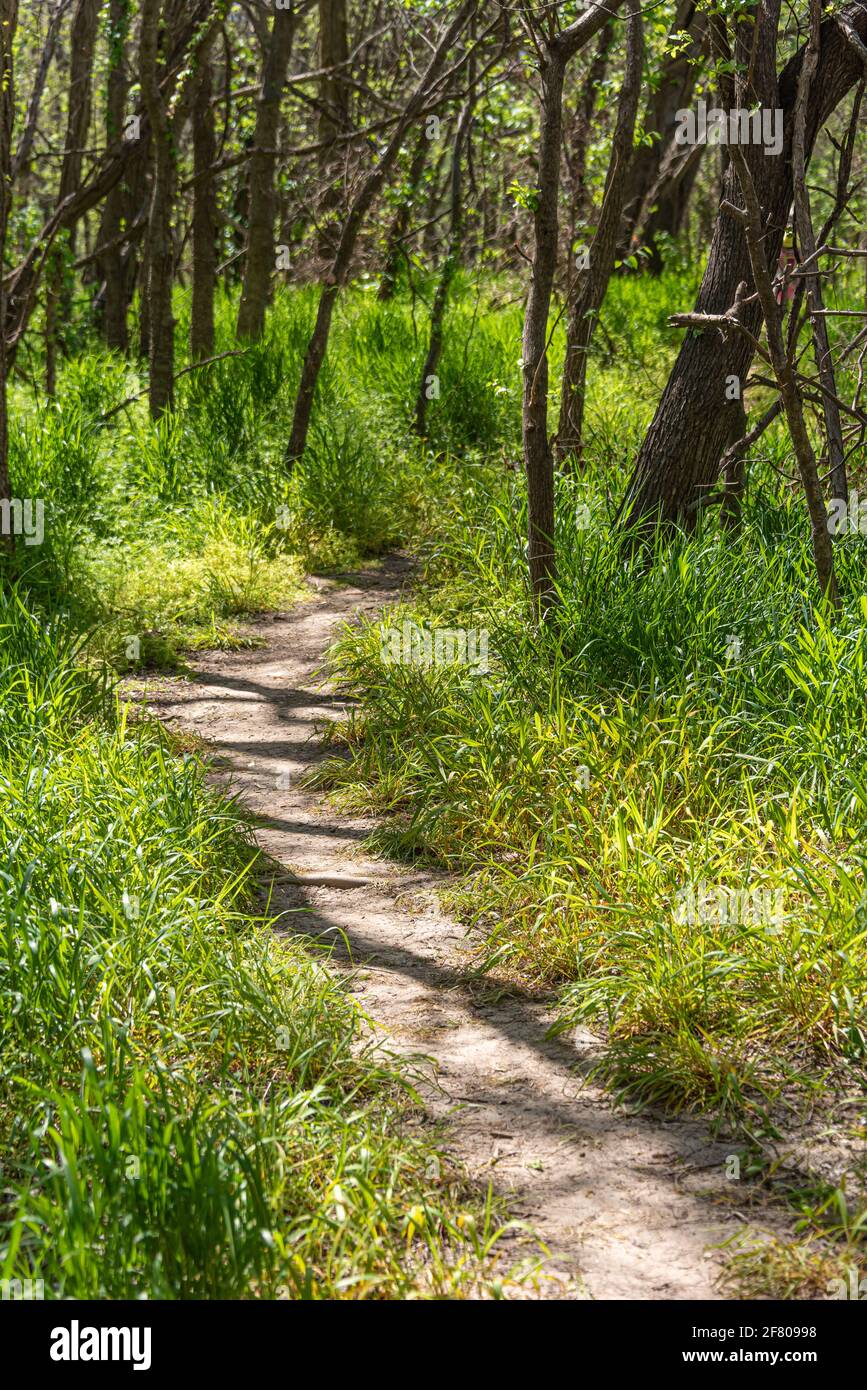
626	1204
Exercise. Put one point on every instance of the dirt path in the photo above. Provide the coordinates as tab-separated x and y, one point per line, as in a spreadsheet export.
626	1204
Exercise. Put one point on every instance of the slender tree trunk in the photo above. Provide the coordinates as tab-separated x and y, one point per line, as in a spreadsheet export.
52	293
538	458
333	116
259	264
8	24
396	252
538	455
823	552
449	266
82	44
22	158
665	203
591	283
583	130
807	247
114	325
144	303
652	202
336	278
160	252
204	229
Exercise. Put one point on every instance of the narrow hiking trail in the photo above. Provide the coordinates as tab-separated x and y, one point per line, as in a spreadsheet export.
626	1204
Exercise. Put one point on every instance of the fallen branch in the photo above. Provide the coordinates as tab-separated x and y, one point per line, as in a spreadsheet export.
193	367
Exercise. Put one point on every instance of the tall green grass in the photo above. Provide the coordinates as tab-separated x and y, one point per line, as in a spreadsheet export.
675	726
689	725
187	1103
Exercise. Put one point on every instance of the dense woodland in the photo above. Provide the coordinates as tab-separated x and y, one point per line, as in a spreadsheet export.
568	303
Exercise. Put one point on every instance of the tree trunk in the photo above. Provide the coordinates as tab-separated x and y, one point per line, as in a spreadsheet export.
538	459
449	266
679	459
160	253
576	159
673	92
318	343
8	24
823	552
58	306
807	248
204	229
591	283
259	264
538	456
82	44
333	116
396	252
115	299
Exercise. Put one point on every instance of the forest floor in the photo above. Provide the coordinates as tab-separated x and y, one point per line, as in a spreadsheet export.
628	1205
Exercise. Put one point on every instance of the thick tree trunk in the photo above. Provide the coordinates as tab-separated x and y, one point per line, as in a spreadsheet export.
679	459
337	276
204	229
259	264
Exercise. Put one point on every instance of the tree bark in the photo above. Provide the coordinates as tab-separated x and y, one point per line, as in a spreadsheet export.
57	303
396	253
115	298
653	203
591	284
538	457
204	228
160	253
259	264
333	115
679	459
823	553
82	45
807	248
8	25
449	266
582	130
